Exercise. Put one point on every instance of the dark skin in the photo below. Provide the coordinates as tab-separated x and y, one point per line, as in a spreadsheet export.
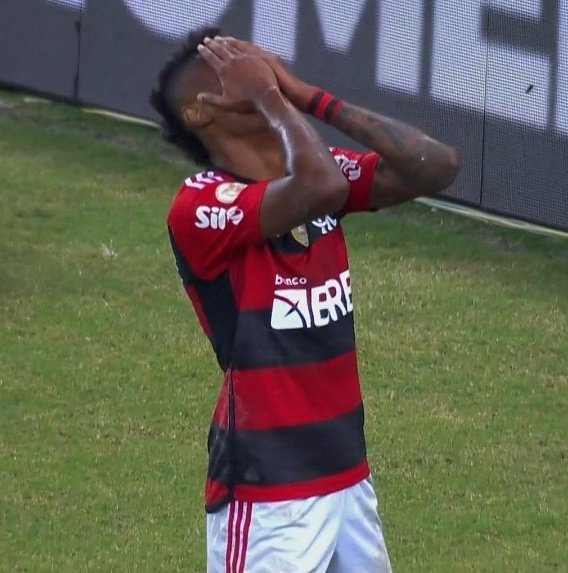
225	132
283	147
274	141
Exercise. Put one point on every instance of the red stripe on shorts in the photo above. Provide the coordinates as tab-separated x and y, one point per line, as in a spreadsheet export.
237	539
244	544
229	536
238	525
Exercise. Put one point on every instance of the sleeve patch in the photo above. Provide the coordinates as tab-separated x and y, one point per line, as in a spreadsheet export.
228	192
350	167
200	180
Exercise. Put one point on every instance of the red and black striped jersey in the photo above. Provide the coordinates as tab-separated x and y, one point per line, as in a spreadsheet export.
288	422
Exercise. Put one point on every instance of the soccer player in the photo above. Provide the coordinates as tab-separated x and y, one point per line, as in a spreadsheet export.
259	247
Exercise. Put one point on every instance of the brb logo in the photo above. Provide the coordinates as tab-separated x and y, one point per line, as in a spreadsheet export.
217	217
296	308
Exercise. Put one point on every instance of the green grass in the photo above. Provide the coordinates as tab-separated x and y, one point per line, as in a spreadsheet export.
106	383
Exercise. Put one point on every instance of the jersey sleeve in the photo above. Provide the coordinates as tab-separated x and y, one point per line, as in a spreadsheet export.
358	169
212	224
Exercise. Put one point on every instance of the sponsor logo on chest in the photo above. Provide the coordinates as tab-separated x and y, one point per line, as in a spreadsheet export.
297	308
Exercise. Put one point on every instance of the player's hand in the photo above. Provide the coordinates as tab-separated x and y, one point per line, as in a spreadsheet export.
245	78
298	92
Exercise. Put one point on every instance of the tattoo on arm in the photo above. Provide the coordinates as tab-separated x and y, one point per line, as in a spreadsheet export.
412	162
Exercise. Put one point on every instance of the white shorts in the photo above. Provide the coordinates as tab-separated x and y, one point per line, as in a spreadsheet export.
335	533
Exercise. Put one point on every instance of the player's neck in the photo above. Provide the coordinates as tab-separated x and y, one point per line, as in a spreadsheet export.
257	159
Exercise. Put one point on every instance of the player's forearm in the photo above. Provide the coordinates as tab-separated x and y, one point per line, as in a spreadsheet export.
425	162
307	158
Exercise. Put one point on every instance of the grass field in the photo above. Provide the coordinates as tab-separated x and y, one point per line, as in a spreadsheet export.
106	383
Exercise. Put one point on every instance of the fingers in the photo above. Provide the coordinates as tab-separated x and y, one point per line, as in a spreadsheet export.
222	102
223	51
215	53
231	46
210	57
215	100
244	47
240	45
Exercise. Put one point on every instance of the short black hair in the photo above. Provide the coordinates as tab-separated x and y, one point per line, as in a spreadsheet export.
173	128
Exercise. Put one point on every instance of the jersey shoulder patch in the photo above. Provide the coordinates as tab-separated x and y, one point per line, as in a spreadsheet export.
228	191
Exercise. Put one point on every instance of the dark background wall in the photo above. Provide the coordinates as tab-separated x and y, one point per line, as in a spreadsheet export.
490	76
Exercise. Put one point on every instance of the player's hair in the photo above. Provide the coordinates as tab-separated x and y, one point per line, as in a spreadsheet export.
173	128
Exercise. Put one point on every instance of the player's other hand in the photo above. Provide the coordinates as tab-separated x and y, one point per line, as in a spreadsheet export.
298	92
244	77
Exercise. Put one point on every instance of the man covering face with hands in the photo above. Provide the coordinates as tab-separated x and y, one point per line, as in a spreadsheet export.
259	246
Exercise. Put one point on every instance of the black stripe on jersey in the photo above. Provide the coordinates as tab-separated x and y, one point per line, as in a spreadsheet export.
258	345
288	455
218	303
187	277
286	244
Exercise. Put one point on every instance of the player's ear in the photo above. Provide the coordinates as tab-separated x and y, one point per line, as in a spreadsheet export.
196	114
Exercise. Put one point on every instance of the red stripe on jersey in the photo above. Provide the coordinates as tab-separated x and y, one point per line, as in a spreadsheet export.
292	395
299	490
215	492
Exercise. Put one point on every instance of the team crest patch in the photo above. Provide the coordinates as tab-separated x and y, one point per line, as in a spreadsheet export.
228	192
301	235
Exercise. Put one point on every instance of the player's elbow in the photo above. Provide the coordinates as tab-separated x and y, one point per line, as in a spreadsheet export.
328	191
441	171
452	166
333	194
